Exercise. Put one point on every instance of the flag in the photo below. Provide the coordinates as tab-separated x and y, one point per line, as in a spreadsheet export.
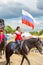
27	19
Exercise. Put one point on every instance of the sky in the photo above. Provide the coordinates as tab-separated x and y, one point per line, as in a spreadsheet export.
11	11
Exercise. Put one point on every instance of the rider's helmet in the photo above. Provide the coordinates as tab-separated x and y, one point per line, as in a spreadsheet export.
2	25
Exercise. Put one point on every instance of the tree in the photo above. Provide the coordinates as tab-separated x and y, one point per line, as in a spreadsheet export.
41	32
8	29
34	33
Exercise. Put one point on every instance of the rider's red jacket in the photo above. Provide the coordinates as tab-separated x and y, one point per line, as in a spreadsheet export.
18	35
1	37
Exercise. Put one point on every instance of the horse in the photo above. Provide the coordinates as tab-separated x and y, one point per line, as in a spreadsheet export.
2	46
28	44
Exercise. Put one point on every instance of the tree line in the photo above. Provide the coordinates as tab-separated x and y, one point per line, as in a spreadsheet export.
37	32
8	29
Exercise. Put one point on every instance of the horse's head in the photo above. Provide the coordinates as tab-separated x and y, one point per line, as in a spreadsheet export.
38	45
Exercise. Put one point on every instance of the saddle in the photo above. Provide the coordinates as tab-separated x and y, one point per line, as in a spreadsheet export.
15	46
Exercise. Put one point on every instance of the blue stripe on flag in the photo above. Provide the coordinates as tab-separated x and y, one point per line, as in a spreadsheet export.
27	18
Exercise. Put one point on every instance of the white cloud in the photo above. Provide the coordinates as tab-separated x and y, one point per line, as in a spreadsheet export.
13	8
40	4
38	22
29	3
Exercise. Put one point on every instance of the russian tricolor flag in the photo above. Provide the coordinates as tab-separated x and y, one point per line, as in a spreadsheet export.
27	19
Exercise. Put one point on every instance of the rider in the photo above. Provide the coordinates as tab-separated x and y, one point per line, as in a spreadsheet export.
1	36
18	37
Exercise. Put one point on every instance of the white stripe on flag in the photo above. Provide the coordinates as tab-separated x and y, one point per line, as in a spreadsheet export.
28	14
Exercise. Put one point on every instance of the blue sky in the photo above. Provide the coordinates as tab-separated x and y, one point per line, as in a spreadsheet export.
11	11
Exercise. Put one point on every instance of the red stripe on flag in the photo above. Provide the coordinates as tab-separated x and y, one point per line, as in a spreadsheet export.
28	23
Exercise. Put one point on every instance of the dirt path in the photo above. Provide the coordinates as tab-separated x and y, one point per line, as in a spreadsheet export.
35	59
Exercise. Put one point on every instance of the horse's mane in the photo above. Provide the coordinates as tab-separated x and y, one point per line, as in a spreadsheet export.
31	40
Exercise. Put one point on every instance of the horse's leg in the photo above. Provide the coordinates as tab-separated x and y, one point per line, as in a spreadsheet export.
3	51
24	57
8	57
0	54
27	59
8	61
22	60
